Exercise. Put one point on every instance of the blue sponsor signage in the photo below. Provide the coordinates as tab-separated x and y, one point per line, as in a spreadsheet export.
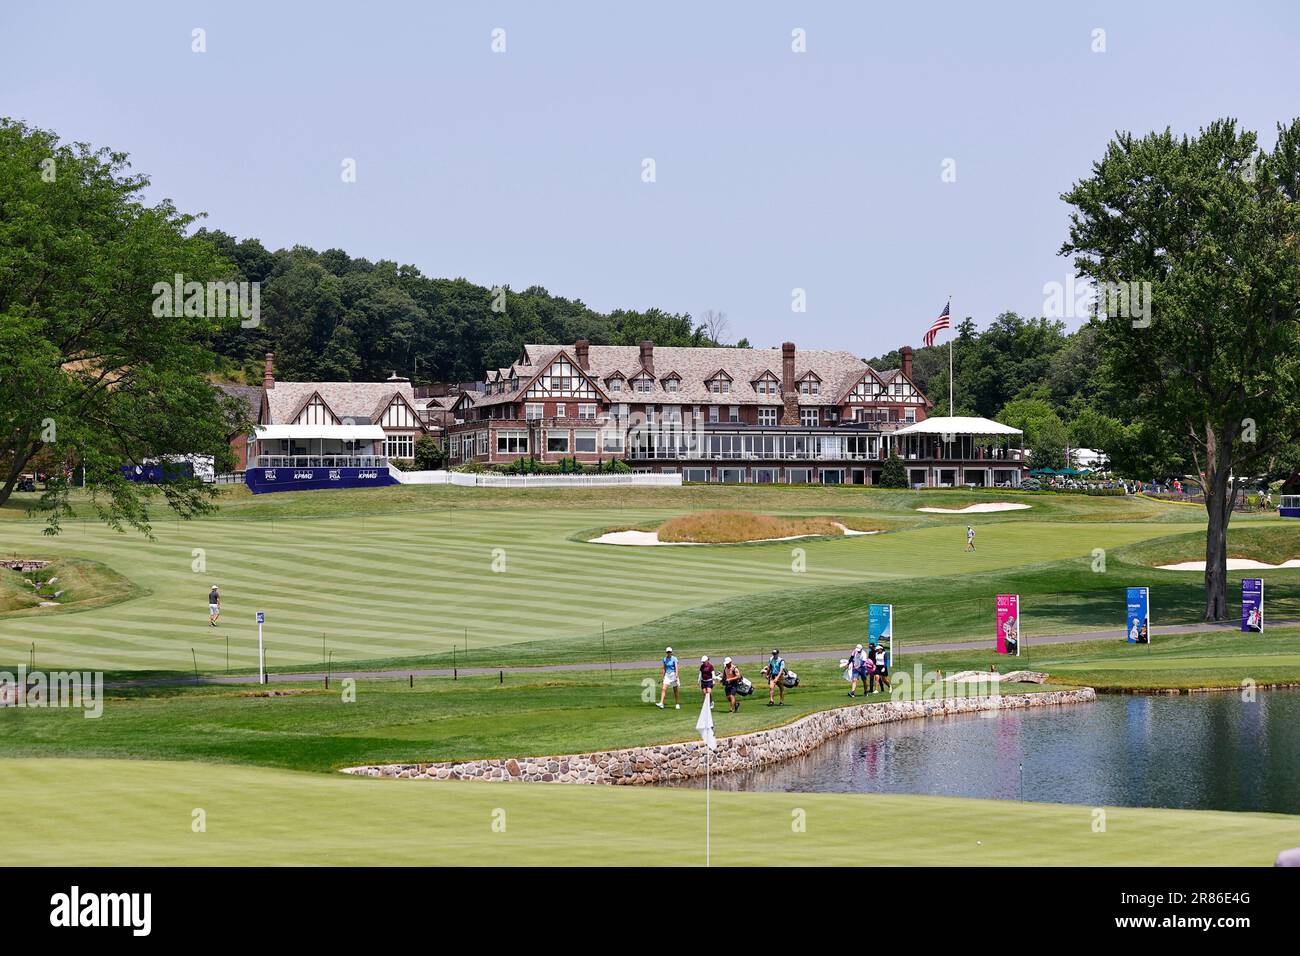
1139	616
1252	605
880	629
261	480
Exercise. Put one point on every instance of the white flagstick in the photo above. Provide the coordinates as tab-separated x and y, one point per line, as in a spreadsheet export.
705	726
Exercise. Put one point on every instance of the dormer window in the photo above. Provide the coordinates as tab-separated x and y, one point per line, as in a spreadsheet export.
616	385
670	385
767	385
642	384
810	384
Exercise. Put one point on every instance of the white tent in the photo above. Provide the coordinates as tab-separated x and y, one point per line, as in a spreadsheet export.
958	425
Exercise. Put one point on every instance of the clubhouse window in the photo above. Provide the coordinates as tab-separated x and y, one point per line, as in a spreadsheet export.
400	446
808	416
767	415
697	474
557	442
561	410
533	412
713	413
797	476
764	476
482	443
642	384
512	443
616	385
670	385
587	412
612	441
733	414
584	441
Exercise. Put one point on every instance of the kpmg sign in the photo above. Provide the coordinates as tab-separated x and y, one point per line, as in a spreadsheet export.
262	480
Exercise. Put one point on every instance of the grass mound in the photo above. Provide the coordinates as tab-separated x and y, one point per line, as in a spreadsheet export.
731	527
1271	544
74	582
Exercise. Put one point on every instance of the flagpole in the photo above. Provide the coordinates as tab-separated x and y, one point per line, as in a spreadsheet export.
708	806
951	410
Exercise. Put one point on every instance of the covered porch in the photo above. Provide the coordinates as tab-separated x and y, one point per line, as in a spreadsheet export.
951	452
317	446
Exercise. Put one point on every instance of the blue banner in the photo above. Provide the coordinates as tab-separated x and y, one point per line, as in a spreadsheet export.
1252	605
262	480
880	629
1139	615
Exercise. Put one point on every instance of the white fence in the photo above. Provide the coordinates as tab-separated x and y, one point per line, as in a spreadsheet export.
532	481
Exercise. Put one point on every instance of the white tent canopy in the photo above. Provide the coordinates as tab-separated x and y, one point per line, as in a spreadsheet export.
958	425
336	432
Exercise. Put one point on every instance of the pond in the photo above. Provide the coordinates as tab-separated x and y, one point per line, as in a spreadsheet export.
1205	752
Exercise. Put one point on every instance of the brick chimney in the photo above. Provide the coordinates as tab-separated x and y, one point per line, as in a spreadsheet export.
580	353
648	356
906	353
790	396
268	375
787	368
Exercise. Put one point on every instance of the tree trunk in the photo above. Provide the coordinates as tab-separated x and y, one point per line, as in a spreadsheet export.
1219	494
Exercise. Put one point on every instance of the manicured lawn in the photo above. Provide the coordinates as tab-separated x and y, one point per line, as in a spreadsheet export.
415	576
437	719
113	813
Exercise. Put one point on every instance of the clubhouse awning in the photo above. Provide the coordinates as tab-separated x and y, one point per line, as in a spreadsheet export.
335	432
958	425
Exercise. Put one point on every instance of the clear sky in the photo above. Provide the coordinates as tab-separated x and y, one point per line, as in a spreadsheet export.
774	170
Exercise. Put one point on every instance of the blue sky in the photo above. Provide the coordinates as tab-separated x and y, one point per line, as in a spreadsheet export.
774	170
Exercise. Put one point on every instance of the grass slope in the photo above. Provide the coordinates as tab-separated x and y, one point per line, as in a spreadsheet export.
141	813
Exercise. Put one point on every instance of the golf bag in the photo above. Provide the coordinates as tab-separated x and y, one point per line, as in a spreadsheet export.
791	679
745	687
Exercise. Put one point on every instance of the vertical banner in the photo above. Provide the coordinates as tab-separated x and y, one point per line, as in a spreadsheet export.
1252	605
1008	636
1139	615
880	629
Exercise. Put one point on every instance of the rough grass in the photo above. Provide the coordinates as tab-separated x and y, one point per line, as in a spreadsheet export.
731	527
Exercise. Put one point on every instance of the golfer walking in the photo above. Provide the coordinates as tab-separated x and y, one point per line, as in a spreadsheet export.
970	538
214	606
775	671
668	677
706	679
860	667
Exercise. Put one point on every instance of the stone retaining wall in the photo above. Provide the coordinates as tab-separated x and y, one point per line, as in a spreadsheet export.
667	762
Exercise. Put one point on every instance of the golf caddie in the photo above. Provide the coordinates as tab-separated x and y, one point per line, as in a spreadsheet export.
775	678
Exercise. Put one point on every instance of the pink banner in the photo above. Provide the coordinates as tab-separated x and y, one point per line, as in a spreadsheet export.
1008	638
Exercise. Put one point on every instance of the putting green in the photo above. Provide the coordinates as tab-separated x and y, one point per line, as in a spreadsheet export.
101	813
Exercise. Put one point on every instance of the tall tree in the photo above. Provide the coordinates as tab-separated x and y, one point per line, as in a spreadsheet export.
93	369
1209	351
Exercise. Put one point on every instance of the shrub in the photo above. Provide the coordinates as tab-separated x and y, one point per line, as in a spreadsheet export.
428	455
893	474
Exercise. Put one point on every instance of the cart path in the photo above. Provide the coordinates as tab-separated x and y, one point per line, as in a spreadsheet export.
286	677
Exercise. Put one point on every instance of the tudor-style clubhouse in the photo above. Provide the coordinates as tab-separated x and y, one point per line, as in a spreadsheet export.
730	415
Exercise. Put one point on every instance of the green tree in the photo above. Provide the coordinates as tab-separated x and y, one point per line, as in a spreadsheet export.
93	369
429	455
1045	433
1212	357
893	474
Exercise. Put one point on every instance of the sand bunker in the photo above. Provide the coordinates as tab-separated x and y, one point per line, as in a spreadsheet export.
983	506
1234	564
651	538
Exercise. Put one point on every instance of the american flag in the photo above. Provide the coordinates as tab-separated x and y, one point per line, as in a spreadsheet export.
939	325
